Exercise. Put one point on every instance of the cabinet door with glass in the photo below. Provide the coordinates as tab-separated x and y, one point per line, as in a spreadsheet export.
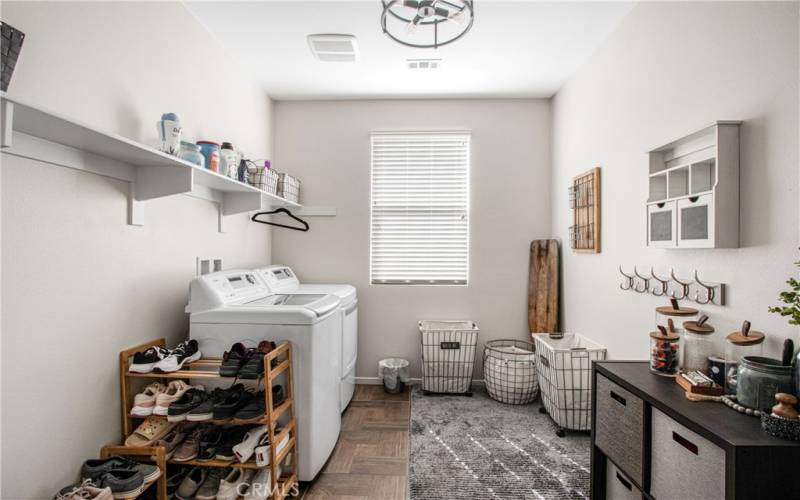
696	222
661	222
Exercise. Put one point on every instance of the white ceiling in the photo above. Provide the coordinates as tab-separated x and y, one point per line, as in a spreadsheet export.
515	48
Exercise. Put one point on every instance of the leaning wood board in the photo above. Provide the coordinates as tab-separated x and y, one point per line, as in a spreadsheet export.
543	287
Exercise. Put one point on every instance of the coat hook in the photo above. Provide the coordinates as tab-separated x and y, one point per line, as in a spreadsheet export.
645	280
628	279
684	286
662	290
710	291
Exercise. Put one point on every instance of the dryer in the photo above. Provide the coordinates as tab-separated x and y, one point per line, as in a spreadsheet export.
281	279
237	306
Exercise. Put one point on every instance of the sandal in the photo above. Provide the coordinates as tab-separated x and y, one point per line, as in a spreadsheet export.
150	431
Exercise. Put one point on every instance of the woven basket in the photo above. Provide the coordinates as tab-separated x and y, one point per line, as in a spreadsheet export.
264	179
289	187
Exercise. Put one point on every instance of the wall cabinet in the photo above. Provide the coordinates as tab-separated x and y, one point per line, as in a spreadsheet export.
693	199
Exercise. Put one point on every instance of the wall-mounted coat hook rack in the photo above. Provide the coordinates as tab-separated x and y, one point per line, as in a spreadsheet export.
705	292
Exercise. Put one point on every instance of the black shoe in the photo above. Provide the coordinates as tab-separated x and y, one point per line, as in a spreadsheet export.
209	444
233	402
253	412
278	395
253	366
233	360
174	480
144	362
191	399
230	438
186	352
205	411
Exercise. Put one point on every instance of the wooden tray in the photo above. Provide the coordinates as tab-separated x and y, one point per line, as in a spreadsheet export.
687	386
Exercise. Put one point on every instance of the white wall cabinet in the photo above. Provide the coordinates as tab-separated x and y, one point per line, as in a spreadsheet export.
693	199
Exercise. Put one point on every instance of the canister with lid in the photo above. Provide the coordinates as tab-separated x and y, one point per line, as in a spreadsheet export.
674	310
741	343
210	150
229	161
191	153
759	379
698	344
664	352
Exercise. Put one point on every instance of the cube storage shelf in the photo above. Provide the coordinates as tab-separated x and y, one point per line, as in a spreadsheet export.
693	199
208	369
34	133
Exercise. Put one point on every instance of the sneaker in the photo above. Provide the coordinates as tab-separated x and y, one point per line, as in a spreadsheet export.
144	362
175	480
246	448
208	490
123	483
186	352
230	438
262	450
261	485
233	360
169	395
148	432
189	449
95	468
87	490
191	399
145	401
278	395
209	444
173	439
252	412
234	484
253	367
191	483
234	401
205	410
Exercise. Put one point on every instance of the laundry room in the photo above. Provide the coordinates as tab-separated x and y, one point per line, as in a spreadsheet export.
400	249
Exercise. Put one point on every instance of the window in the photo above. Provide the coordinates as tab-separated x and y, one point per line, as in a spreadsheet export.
420	208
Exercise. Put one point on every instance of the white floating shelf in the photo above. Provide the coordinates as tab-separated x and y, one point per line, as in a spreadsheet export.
33	133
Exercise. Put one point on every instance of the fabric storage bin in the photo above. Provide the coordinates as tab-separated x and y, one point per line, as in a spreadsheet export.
289	187
620	427
263	178
619	486
684	465
564	368
448	355
509	371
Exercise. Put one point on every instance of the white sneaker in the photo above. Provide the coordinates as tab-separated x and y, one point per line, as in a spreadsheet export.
261	485
186	352
246	448
262	450
235	484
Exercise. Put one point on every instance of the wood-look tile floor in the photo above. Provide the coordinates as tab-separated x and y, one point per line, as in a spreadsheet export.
370	461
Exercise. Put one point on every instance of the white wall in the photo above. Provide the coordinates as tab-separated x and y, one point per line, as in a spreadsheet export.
669	69
327	145
78	283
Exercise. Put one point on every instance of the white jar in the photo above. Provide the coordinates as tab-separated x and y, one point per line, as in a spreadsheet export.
698	345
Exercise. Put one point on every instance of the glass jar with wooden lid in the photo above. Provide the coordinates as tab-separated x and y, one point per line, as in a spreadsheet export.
741	343
698	344
675	311
665	351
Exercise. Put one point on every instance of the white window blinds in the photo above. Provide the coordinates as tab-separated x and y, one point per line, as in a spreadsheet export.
420	208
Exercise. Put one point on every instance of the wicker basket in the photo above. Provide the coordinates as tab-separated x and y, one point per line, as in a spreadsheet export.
289	187
263	178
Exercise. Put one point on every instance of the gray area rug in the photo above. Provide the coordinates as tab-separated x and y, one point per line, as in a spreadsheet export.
475	448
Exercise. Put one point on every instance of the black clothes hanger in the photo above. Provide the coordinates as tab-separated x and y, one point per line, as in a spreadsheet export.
254	218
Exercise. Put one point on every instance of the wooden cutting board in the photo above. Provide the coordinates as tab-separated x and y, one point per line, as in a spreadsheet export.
543	287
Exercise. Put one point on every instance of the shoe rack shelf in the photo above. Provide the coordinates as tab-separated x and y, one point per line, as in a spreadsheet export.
147	452
208	369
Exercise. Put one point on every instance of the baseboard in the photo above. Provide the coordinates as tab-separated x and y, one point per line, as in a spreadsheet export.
411	381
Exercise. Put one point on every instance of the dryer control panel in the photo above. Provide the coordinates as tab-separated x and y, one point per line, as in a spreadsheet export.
279	279
224	287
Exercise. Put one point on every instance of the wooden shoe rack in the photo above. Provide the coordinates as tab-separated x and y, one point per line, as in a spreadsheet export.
277	362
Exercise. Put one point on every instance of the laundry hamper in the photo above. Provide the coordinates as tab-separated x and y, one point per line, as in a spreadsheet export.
509	371
448	356
565	378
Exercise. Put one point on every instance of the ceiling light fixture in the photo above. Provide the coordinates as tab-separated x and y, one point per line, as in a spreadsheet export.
417	23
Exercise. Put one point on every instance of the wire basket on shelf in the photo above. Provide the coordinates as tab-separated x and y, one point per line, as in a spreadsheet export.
289	187
263	178
509	370
448	356
565	378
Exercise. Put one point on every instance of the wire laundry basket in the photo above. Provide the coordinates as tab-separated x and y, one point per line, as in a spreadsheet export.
509	370
263	178
448	356
289	187
565	378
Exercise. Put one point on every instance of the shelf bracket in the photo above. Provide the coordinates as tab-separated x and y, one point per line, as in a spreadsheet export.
135	207
236	203
7	124
156	182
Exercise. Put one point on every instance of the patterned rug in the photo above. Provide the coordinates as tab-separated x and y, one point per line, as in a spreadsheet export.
475	447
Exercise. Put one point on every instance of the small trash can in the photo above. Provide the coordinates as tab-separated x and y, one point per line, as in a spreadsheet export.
394	374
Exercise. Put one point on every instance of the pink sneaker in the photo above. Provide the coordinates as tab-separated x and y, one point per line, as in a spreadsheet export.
145	401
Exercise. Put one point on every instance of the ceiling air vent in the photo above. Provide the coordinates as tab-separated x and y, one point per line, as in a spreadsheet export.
334	48
423	63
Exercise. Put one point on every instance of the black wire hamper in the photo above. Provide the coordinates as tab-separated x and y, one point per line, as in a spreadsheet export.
509	370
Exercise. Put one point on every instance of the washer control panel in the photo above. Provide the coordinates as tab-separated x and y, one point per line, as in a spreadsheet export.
279	279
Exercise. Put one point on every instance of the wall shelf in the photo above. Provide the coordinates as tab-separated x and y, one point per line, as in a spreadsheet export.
30	132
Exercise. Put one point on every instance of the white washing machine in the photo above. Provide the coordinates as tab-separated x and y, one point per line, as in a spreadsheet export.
237	306
281	279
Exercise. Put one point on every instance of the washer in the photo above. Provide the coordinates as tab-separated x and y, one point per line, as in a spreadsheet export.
237	306
281	279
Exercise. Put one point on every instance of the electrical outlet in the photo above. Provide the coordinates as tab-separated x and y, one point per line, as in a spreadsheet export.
205	266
